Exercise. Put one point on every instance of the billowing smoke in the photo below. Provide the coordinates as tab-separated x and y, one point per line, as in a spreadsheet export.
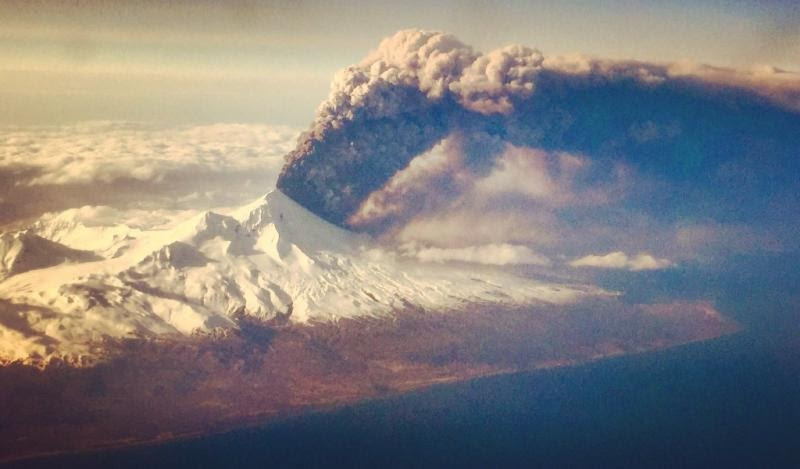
401	100
424	118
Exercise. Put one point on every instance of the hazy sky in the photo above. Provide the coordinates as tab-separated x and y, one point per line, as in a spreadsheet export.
187	62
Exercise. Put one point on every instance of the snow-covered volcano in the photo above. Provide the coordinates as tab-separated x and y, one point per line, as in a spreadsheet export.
271	259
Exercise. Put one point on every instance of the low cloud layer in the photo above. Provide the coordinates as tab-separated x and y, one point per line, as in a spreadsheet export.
136	165
620	260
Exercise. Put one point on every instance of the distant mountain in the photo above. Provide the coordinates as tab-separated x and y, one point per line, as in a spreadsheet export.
24	251
68	228
271	260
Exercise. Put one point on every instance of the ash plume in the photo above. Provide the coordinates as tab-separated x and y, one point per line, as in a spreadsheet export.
679	123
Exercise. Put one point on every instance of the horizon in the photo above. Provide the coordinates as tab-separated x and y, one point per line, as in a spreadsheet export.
272	62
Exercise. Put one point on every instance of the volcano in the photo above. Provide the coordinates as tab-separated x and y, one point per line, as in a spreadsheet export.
271	261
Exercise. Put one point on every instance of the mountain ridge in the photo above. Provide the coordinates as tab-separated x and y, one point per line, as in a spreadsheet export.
268	259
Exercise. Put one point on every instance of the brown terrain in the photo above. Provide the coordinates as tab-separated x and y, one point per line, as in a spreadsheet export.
159	390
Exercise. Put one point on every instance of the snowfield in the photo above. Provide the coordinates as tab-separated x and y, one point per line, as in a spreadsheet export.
271	259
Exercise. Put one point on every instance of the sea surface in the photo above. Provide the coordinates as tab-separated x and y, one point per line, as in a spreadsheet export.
729	402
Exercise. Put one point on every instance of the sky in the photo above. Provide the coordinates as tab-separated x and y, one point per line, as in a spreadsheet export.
272	62
190	106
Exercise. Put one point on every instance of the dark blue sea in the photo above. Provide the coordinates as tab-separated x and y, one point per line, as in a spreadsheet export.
728	402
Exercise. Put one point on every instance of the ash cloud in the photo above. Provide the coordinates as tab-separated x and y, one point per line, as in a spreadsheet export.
422	128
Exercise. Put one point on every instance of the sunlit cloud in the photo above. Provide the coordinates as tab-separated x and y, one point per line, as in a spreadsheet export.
137	165
620	260
490	254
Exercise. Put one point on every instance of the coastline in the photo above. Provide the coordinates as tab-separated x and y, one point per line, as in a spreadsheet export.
271	418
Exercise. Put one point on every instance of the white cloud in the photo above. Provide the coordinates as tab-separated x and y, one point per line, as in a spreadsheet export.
620	260
137	165
490	254
644	261
524	171
475	225
105	216
106	152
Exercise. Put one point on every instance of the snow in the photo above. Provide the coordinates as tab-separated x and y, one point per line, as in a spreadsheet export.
24	251
270	258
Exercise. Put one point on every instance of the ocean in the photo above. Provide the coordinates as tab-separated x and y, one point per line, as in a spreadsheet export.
728	402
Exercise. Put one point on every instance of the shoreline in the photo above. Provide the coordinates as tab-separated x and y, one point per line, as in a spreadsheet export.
270	419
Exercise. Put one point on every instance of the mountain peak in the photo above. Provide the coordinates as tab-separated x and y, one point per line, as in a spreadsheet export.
268	259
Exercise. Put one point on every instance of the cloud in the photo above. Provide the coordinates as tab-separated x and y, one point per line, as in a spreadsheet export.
436	64
781	87
523	182
477	224
427	140
136	165
103	216
525	171
620	260
489	254
108	152
551	179
439	200
671	125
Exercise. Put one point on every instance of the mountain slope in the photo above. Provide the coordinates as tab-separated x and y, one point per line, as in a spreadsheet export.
24	251
270	260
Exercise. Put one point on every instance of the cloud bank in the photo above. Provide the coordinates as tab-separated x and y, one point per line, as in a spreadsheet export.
133	165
